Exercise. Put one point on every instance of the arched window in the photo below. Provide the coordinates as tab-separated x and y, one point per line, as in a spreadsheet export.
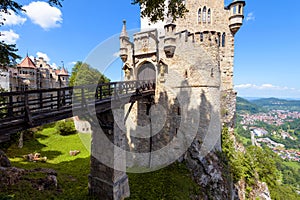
199	16
204	15
223	39
209	16
240	9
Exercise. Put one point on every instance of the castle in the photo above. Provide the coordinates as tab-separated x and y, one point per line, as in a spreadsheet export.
191	61
30	75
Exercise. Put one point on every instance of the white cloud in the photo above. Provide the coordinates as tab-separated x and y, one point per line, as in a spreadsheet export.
32	58
9	37
243	86
266	90
266	86
250	17
54	66
44	15
11	18
43	55
72	63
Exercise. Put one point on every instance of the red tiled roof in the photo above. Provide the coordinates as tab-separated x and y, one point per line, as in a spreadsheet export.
27	63
63	72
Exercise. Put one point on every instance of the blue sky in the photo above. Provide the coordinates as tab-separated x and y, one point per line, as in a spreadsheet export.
267	47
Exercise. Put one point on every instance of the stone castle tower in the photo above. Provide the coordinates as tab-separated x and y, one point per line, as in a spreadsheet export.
191	62
192	56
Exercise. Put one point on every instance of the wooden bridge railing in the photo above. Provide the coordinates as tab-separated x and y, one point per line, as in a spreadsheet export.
22	106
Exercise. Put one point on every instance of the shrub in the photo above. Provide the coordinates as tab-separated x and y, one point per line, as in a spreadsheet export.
65	127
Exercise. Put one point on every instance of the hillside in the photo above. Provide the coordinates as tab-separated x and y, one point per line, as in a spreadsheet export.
278	104
245	106
265	104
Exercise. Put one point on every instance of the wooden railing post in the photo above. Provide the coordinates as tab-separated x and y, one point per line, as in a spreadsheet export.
28	117
100	88
109	93
82	97
41	100
58	99
10	106
64	97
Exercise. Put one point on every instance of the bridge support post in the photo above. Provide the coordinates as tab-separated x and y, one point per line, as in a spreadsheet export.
105	181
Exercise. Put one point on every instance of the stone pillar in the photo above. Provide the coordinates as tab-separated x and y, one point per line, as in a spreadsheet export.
107	179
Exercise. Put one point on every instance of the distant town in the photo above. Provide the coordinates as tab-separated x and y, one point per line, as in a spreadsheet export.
261	136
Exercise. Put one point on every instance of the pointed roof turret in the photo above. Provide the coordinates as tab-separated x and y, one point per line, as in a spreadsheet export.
27	63
63	72
124	32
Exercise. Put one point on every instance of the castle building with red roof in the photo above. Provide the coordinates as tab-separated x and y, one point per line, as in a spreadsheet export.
32	74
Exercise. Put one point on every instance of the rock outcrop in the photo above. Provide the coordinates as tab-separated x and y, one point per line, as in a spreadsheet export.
46	179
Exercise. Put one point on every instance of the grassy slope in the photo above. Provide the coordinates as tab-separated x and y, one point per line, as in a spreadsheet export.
173	182
72	170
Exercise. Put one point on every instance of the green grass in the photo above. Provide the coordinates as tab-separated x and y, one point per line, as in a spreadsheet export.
72	170
172	182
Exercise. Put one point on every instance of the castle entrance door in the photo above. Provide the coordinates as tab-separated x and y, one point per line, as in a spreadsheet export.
146	72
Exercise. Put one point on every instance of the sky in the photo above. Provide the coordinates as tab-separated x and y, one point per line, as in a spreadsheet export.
267	47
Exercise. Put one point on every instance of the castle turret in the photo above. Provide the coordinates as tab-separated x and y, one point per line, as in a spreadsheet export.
170	40
63	78
236	15
124	43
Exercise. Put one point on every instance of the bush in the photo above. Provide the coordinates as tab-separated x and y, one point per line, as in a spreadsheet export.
65	127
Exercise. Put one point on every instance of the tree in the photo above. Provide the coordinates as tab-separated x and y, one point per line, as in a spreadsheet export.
7	54
83	74
155	9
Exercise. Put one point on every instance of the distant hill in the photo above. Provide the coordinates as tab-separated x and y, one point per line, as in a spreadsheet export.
245	106
265	104
279	104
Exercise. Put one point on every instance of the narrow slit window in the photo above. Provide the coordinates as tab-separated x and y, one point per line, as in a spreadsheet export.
201	37
199	16
204	15
209	16
223	39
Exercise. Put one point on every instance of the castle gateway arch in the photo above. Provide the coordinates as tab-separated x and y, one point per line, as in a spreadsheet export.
146	72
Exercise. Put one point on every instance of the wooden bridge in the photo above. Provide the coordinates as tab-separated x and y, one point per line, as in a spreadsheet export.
27	109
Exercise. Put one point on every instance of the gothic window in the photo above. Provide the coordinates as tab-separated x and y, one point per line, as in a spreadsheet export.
223	39
204	15
199	16
209	16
